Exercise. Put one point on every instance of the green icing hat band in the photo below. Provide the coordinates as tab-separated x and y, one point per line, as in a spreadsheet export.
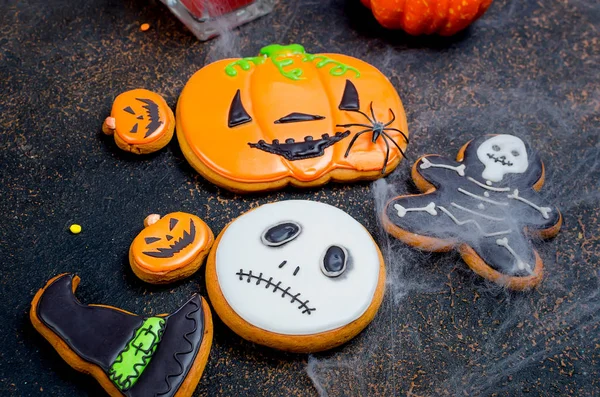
134	358
282	56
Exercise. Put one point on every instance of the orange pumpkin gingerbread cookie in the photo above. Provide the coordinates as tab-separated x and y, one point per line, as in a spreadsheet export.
129	355
141	122
289	117
170	248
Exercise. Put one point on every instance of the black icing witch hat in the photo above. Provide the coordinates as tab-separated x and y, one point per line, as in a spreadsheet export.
128	354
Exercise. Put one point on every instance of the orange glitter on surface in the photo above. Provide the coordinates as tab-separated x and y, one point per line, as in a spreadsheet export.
144	27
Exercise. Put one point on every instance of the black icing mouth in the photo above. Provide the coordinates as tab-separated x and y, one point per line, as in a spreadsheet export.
292	150
153	116
178	245
285	292
500	159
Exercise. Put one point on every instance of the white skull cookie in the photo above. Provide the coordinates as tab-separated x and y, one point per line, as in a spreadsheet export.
296	275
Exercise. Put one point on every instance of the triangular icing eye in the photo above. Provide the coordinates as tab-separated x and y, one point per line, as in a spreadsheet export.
237	113
129	110
150	240
350	99
280	233
134	128
172	223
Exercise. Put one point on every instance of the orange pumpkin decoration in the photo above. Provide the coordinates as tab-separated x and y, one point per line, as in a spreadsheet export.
170	248
141	122
288	117
445	17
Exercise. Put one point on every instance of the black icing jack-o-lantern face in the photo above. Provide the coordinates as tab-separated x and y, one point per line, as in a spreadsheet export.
150	116
172	248
311	147
170	242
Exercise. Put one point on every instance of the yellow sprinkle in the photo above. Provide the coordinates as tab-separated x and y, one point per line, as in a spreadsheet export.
75	228
145	27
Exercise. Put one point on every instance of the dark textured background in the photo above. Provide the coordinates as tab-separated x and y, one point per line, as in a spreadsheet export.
528	68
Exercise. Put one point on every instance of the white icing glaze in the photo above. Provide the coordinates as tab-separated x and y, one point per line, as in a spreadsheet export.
521	265
502	154
543	210
425	163
336	301
491	218
487	200
474	222
429	208
494	189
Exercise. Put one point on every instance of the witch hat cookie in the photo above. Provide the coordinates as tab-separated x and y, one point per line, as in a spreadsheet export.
129	355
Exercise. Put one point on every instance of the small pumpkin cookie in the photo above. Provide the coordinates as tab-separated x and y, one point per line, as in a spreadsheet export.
129	355
296	275
141	122
170	248
290	117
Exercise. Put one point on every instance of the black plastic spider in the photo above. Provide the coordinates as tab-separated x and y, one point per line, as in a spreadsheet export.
379	129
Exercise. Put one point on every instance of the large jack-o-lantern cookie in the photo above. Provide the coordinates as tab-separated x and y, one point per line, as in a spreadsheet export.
170	248
141	122
485	205
296	275
129	355
289	117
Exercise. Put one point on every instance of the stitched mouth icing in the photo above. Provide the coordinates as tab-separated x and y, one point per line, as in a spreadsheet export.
276	287
178	245
292	150
501	160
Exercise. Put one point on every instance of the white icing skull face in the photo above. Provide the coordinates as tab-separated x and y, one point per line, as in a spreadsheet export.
502	154
297	267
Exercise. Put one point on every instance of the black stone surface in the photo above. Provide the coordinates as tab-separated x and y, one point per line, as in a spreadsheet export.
527	68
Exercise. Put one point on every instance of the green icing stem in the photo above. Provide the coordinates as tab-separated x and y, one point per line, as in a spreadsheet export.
244	64
281	57
134	358
339	70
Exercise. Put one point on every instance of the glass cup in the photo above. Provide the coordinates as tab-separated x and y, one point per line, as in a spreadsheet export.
208	18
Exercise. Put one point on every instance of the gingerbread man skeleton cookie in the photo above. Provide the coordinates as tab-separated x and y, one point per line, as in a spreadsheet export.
296	275
485	204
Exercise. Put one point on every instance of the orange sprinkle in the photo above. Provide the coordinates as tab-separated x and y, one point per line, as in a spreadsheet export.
144	27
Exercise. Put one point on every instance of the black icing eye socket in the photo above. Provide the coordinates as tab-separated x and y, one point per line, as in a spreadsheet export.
334	261
496	148
237	114
350	99
281	233
515	153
